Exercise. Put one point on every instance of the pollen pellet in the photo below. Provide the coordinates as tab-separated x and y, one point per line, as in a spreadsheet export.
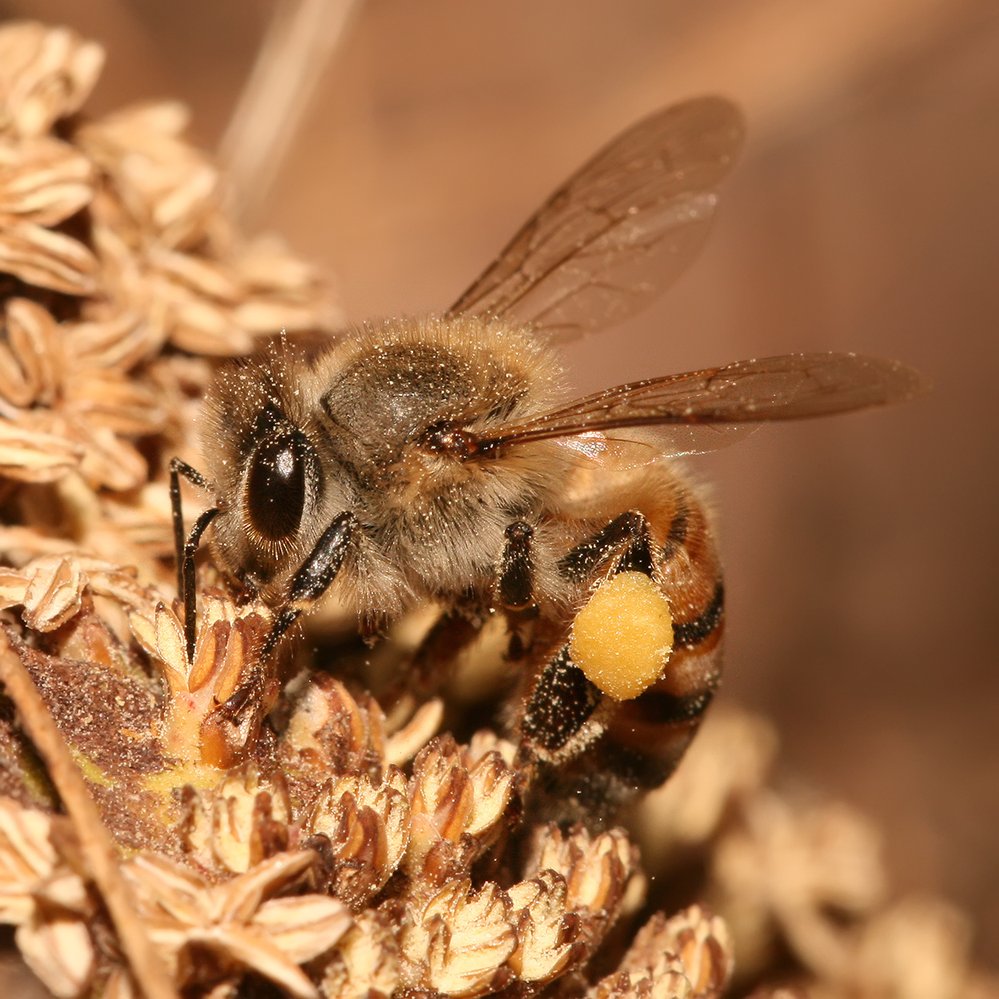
622	638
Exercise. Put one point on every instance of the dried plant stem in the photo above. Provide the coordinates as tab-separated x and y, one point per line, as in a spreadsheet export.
297	47
96	844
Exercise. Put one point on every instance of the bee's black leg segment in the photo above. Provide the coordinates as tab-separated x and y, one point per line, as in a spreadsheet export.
319	570
243	695
627	533
561	702
516	577
252	689
187	591
186	548
281	624
314	577
177	469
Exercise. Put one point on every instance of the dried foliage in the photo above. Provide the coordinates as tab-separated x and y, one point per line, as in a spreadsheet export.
310	842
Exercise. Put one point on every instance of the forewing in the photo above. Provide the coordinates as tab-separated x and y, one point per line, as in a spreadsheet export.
703	410
620	230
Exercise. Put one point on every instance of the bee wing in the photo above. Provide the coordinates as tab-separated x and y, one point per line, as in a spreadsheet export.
644	445
620	230
704	410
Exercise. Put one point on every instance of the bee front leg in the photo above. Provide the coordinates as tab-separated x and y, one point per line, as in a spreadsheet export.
186	549
315	576
313	579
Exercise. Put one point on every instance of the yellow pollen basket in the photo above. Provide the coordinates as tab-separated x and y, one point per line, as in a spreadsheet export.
623	636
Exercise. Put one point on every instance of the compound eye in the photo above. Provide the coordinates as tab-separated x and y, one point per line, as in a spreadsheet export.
275	488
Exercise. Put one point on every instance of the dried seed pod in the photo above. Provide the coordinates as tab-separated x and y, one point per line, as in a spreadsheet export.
784	870
596	867
669	982
458	940
239	920
919	946
46	901
59	950
405	742
366	960
456	809
196	728
43	180
367	826
546	929
47	74
36	455
47	259
240	822
169	189
693	943
30	359
50	588
329	732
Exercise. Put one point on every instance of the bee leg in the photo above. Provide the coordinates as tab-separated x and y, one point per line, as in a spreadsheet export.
563	700
515	586
627	533
314	577
514	591
643	738
312	580
186	588
186	549
566	717
455	630
561	703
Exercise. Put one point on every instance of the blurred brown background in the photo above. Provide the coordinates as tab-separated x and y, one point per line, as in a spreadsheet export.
861	552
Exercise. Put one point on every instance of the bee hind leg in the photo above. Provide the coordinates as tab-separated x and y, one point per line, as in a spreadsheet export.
565	710
591	751
627	535
515	582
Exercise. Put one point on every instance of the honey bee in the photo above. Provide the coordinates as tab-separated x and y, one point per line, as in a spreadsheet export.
440	459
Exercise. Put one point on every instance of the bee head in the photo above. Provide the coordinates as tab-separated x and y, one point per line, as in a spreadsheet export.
265	457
